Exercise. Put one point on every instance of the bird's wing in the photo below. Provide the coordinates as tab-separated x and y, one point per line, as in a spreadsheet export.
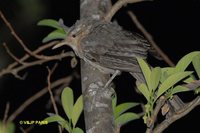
115	49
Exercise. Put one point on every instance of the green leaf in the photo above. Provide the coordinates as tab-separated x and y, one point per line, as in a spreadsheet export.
10	127
56	34
166	72
144	90
67	99
54	118
125	118
58	119
123	107
196	64
179	88
190	79
114	101
155	78
145	70
50	23
170	81
77	109
185	61
77	130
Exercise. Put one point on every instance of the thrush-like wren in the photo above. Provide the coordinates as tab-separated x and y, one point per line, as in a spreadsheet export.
106	46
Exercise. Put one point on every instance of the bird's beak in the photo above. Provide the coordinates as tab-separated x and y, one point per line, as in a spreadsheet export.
66	41
60	44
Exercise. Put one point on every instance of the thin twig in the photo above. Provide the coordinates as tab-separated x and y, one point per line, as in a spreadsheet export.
182	112
38	50
12	55
50	72
7	23
25	57
49	88
119	5
150	39
151	121
15	71
23	106
6	113
186	109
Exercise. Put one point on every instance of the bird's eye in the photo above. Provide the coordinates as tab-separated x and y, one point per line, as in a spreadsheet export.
73	35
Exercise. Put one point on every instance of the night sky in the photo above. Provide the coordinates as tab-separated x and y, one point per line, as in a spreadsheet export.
174	24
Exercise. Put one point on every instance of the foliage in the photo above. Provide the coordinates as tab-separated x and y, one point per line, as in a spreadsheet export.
7	128
122	117
165	81
58	33
72	111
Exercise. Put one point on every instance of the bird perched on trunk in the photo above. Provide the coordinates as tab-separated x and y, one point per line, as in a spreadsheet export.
107	46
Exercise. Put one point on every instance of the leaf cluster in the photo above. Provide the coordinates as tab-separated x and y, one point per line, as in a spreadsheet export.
166	81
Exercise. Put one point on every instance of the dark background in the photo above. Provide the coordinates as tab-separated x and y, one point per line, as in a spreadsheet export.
174	24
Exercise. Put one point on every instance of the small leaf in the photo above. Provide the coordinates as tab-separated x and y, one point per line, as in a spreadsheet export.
54	118
185	61
179	88
196	64
155	78
58	119
56	34
114	101
125	118
190	79
67	99
50	23
170	81
123	108
144	90
145	70
166	72
77	109
10	127
77	130
66	126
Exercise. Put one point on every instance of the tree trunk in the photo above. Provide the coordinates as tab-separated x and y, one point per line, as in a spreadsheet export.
98	110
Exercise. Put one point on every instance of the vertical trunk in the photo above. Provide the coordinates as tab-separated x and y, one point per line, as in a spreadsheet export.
97	101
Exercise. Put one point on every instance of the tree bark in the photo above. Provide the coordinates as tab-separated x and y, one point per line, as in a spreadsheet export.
98	112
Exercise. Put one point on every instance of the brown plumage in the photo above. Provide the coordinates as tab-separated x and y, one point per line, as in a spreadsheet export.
107	46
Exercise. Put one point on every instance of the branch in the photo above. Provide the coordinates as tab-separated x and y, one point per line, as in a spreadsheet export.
12	55
20	41
151	121
30	100
119	5
193	85
179	114
6	113
16	70
98	112
25	57
50	72
150	39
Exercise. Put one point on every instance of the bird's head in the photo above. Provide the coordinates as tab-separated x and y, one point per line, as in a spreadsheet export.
75	34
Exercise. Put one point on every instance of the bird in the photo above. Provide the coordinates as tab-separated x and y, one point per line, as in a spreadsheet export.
107	47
